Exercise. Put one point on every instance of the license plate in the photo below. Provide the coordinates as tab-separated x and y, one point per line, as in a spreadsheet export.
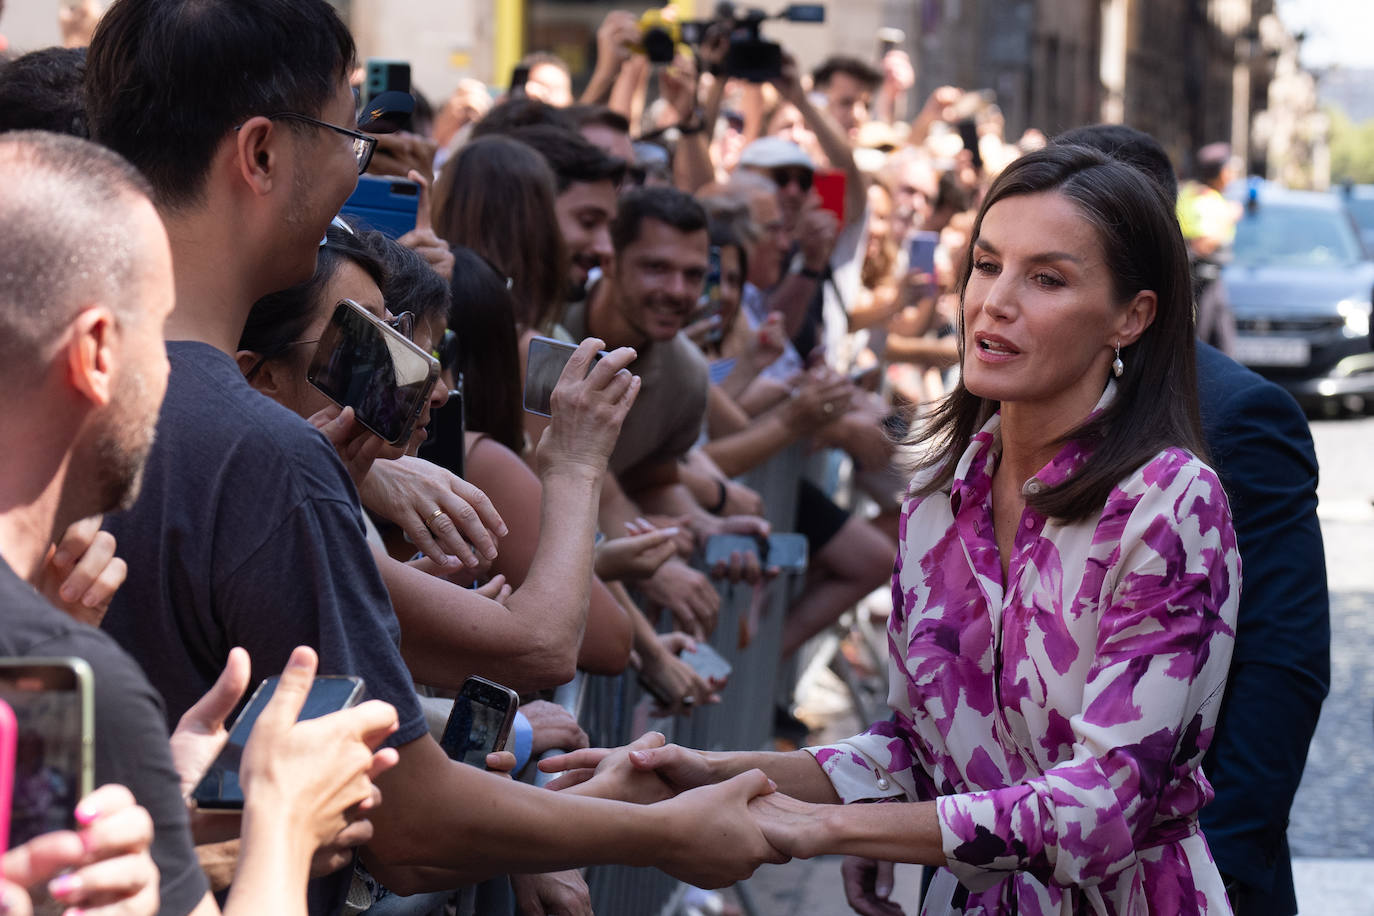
1273	351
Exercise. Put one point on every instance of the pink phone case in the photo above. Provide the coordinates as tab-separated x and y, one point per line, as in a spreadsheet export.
9	731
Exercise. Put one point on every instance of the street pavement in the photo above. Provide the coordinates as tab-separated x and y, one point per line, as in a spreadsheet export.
1331	829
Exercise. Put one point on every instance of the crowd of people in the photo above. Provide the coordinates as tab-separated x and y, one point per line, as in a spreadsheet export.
991	342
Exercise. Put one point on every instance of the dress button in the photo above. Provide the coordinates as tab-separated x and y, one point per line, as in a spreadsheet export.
1032	487
883	783
1030	523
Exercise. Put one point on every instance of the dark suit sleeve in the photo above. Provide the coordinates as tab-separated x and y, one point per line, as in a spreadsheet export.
1281	668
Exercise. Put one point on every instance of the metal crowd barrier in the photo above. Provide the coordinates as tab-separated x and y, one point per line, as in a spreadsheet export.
615	710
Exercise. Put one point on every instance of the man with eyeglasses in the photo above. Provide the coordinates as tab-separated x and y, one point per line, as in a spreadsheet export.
249	530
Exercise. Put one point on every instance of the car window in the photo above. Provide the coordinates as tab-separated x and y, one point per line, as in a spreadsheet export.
1293	236
1362	208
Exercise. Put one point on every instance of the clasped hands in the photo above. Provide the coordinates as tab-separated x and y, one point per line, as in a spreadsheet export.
651	771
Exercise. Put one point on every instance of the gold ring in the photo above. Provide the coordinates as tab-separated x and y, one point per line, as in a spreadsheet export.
435	514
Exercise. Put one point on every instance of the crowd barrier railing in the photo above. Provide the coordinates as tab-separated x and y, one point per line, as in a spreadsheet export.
616	710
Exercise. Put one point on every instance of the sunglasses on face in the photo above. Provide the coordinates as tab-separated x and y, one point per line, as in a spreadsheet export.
783	177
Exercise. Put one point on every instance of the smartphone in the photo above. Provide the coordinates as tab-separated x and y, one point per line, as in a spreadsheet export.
830	185
518	78
921	253
219	788
709	302
786	551
9	736
54	765
446	443
385	76
706	662
363	363
719	547
547	357
480	721
968	134
388	205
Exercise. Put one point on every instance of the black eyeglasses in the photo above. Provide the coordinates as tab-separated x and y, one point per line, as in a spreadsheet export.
785	176
363	144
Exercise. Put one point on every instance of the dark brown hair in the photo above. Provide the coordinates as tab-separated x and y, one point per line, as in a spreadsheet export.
497	198
1156	404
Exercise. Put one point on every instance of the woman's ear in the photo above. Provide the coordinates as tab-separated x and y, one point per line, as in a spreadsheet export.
265	375
1138	315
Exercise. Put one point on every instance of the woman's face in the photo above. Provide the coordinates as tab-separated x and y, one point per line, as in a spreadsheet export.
349	282
1039	316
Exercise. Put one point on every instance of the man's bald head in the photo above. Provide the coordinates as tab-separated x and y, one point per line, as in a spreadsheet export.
71	213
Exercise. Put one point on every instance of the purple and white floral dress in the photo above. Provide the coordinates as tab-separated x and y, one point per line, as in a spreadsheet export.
1058	720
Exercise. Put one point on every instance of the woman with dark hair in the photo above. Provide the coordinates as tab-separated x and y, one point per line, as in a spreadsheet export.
488	349
497	198
1065	593
531	640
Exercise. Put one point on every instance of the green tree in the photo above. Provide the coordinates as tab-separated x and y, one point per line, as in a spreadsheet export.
1352	149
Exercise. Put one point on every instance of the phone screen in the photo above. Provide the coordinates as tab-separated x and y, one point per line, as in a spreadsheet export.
219	787
547	357
480	721
52	754
363	364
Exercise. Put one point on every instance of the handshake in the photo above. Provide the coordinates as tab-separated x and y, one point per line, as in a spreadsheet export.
732	818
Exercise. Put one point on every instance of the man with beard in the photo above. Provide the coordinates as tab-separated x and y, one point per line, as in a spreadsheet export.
85	284
85	288
588	179
249	531
644	298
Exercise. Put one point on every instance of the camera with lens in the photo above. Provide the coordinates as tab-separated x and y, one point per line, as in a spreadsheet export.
749	56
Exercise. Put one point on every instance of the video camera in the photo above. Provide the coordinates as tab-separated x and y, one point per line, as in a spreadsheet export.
749	57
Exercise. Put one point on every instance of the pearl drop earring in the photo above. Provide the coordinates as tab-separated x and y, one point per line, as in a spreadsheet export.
1118	366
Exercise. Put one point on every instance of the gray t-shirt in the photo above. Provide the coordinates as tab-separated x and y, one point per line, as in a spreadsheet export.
666	418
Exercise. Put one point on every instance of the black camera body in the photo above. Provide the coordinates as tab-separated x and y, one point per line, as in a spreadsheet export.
750	56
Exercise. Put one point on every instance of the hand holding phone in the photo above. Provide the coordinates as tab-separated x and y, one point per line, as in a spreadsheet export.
220	789
543	369
480	721
363	363
315	774
53	705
